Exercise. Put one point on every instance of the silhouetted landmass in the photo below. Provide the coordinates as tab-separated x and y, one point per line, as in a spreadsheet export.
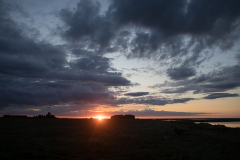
14	116
48	115
141	139
126	116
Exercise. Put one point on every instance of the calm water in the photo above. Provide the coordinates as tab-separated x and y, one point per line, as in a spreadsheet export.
227	124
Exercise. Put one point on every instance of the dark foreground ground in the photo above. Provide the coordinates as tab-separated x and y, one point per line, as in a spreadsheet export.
116	139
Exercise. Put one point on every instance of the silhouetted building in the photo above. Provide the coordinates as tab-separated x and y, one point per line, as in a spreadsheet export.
126	116
14	116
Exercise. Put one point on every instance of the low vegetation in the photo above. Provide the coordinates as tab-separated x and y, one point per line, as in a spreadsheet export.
42	138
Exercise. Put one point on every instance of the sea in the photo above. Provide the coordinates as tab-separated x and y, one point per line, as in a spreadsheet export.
227	124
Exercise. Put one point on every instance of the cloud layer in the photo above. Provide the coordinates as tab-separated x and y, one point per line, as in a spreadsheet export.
178	35
37	73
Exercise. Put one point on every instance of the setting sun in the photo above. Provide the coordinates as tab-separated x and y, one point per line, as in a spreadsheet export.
100	117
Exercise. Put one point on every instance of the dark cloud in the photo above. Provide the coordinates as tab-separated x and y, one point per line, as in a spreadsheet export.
220	95
189	16
159	29
124	33
82	21
37	73
153	101
221	86
13	42
21	92
182	100
147	13
175	29
21	55
144	45
180	73
93	63
14	64
222	80
87	24
238	58
136	94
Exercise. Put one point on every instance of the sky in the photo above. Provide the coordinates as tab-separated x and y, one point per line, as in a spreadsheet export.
150	58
